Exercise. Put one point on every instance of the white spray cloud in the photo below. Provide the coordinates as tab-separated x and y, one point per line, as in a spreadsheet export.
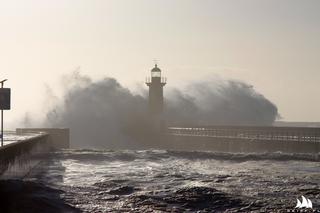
104	114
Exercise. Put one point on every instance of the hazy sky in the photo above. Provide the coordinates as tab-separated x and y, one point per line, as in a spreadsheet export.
272	44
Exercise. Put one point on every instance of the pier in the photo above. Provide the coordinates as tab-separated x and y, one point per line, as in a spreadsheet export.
245	138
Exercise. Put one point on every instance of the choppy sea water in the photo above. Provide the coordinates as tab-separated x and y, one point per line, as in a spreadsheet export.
176	181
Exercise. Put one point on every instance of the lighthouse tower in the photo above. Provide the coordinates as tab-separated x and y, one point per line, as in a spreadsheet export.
156	83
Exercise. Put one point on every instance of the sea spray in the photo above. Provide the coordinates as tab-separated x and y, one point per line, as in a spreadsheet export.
105	114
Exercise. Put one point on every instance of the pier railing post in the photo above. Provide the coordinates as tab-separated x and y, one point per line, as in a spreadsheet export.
2	119
5	104
1	127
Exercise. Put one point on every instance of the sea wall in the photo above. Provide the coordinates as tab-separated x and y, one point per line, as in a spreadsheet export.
16	154
205	143
59	138
17	158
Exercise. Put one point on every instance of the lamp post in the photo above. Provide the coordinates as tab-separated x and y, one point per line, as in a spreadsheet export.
2	83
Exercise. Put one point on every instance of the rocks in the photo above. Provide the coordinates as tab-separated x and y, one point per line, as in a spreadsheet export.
25	196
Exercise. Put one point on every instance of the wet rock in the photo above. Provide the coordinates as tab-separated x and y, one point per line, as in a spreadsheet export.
25	196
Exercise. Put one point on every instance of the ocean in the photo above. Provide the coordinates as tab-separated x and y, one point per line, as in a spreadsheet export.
166	181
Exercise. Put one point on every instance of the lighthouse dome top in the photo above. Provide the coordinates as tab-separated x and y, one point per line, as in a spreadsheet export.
155	69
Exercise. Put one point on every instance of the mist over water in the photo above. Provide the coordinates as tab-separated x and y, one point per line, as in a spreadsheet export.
219	102
105	114
100	111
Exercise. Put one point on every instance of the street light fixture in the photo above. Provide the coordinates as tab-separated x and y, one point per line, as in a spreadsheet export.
2	82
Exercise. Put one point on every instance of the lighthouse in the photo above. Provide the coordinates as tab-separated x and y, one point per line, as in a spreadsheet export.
156	83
